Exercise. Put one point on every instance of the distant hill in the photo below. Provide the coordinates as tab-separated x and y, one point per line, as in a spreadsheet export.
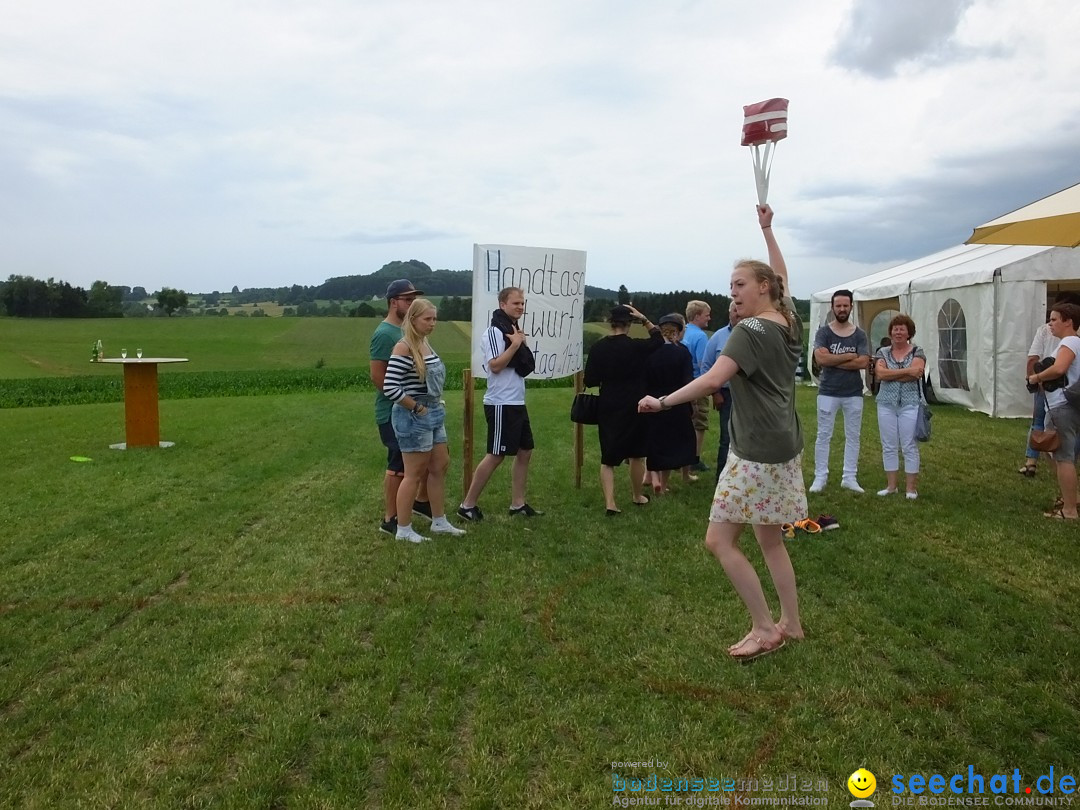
373	285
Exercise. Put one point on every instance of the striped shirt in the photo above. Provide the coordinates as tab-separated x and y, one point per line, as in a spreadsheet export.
401	379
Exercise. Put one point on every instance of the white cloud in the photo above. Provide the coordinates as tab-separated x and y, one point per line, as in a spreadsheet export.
203	145
880	36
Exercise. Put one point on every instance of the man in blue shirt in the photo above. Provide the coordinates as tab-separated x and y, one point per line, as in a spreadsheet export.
697	318
722	398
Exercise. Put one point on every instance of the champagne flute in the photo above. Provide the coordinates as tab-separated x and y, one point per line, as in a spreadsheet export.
138	353
123	354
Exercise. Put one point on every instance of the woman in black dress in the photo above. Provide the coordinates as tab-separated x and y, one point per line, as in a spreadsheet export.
672	442
617	364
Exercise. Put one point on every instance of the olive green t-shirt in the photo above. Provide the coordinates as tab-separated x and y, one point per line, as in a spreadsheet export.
764	425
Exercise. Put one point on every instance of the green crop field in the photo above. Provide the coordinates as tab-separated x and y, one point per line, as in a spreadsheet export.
45	348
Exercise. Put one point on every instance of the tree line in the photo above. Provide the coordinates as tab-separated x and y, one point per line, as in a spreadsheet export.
27	297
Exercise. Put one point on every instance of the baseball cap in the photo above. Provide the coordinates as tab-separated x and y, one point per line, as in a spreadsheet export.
401	286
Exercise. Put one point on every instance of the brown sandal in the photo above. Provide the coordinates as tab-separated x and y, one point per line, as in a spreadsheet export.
764	648
1059	514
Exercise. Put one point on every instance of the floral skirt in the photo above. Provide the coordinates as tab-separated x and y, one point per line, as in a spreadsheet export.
753	492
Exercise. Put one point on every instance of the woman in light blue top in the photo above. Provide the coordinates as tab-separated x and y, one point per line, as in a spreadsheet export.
898	368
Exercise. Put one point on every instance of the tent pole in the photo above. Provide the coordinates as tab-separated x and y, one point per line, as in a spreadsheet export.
994	338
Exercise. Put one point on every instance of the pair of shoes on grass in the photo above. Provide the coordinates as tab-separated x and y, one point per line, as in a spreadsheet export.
789	530
805	525
823	523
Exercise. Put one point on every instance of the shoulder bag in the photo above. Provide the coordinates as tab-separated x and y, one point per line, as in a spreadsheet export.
1044	441
585	409
922	419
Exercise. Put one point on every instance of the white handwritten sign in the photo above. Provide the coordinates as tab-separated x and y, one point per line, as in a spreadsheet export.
554	283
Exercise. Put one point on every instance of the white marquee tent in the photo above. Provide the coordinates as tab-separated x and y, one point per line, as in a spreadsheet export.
976	309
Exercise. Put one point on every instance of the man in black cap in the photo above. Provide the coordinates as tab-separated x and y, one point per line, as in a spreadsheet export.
399	297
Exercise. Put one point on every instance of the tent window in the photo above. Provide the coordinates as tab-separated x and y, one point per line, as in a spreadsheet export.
879	329
952	346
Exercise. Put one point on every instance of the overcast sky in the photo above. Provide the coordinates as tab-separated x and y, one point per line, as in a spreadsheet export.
204	144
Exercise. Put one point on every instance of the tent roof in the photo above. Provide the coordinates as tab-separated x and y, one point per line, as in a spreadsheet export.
958	266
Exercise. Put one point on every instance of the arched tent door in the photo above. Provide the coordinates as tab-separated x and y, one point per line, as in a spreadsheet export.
868	310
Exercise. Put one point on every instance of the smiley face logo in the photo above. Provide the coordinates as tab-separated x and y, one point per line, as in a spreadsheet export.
861	783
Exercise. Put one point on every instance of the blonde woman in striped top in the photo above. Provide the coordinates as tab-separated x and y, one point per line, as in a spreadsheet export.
414	382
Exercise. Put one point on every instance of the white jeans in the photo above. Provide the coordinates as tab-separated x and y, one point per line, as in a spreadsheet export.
897	427
827	408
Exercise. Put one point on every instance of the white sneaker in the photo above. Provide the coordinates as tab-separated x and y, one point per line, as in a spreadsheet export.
446	527
410	535
912	495
852	484
886	492
818	485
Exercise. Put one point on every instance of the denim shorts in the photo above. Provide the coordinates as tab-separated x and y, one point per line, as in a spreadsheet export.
419	433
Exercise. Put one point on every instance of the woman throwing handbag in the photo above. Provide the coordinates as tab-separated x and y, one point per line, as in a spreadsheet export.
762	482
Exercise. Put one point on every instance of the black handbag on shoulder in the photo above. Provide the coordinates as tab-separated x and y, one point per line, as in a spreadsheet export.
585	409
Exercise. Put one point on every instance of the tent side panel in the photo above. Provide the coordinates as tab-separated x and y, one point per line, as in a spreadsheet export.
1023	311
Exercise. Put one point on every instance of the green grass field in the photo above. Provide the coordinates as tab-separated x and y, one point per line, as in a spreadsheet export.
220	623
47	347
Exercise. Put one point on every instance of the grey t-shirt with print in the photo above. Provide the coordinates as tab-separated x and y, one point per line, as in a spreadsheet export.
841	382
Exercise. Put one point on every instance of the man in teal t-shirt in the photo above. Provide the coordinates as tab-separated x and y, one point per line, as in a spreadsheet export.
399	296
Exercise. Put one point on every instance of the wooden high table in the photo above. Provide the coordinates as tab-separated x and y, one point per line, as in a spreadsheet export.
141	421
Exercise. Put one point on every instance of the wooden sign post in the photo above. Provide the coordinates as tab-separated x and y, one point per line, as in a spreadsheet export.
579	434
467	435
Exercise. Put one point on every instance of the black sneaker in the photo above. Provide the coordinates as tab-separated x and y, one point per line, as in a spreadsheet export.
827	522
525	511
473	513
389	526
700	466
422	508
